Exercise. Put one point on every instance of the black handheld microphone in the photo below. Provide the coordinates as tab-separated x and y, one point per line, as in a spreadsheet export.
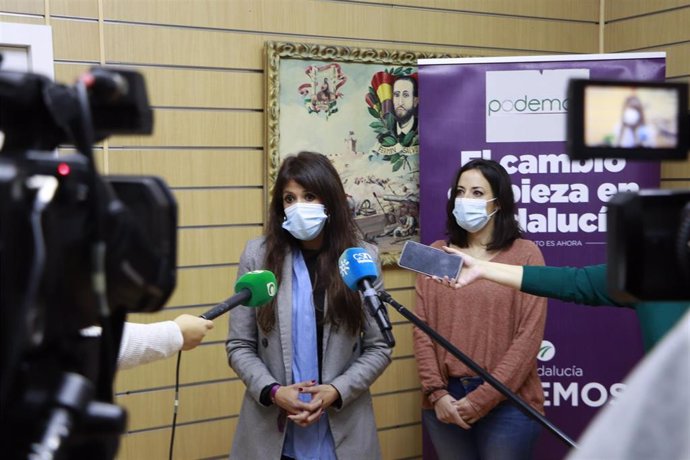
253	289
357	268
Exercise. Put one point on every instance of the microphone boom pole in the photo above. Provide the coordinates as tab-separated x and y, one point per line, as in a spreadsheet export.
466	360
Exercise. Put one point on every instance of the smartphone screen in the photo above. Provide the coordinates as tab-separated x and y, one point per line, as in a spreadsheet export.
429	261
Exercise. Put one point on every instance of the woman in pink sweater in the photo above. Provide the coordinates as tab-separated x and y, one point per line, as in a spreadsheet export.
498	327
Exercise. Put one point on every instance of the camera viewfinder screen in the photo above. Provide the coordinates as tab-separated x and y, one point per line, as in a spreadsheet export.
631	117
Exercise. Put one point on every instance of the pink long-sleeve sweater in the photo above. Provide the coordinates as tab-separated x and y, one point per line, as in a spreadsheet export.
498	327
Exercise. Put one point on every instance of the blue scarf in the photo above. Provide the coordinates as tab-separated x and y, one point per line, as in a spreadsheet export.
314	442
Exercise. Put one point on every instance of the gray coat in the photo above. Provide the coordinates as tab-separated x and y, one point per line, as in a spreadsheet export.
350	363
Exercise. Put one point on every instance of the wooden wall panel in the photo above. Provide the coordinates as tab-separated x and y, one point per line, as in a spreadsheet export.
403	340
404	442
397	409
200	128
205	363
231	50
72	8
174	46
213	246
394	278
204	88
193	168
22	19
574	10
153	409
205	285
66	48
675	170
618	9
401	375
372	22
200	440
665	28
22	6
220	207
677	59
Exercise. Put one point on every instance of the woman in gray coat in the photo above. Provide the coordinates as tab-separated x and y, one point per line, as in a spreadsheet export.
309	357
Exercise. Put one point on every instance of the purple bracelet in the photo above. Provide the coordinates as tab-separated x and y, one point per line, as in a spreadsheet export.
274	390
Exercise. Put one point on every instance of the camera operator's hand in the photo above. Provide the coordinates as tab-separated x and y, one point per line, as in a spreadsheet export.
193	329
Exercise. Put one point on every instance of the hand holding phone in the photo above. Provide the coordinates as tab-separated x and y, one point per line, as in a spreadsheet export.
429	261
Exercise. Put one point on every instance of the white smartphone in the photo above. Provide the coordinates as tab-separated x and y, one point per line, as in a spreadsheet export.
429	261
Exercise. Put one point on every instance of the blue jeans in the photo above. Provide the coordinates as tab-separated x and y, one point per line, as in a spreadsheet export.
505	433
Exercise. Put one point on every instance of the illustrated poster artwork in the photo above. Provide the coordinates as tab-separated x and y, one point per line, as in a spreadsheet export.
363	117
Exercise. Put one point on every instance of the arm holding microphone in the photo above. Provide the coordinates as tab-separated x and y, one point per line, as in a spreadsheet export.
586	285
144	343
194	330
582	285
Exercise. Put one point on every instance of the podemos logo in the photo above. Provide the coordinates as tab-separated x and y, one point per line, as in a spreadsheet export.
547	351
527	105
567	386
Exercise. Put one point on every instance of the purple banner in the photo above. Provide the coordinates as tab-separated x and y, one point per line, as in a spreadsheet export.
512	110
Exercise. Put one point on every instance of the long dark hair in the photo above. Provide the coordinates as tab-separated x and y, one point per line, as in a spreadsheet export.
506	228
316	174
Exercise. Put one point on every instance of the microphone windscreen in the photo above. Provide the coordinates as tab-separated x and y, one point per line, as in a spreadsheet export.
262	285
355	265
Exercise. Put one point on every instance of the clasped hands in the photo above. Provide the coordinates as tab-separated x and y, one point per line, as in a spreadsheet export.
457	411
301	412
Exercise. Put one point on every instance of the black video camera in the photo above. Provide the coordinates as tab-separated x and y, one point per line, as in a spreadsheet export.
648	231
78	251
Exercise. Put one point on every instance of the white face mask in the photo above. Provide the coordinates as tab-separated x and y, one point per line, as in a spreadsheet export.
305	221
631	116
470	213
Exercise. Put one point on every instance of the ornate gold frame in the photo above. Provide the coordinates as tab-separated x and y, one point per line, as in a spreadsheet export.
277	51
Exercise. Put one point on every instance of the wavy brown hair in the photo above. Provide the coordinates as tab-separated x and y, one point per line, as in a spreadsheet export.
316	174
506	228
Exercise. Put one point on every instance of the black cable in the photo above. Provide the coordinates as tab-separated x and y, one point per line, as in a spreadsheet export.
176	404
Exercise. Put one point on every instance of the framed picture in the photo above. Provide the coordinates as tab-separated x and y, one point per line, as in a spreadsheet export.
358	107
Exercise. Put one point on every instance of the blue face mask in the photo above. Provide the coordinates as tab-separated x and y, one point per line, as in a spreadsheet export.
305	221
470	213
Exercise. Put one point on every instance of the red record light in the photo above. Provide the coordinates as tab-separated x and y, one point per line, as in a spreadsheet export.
63	169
